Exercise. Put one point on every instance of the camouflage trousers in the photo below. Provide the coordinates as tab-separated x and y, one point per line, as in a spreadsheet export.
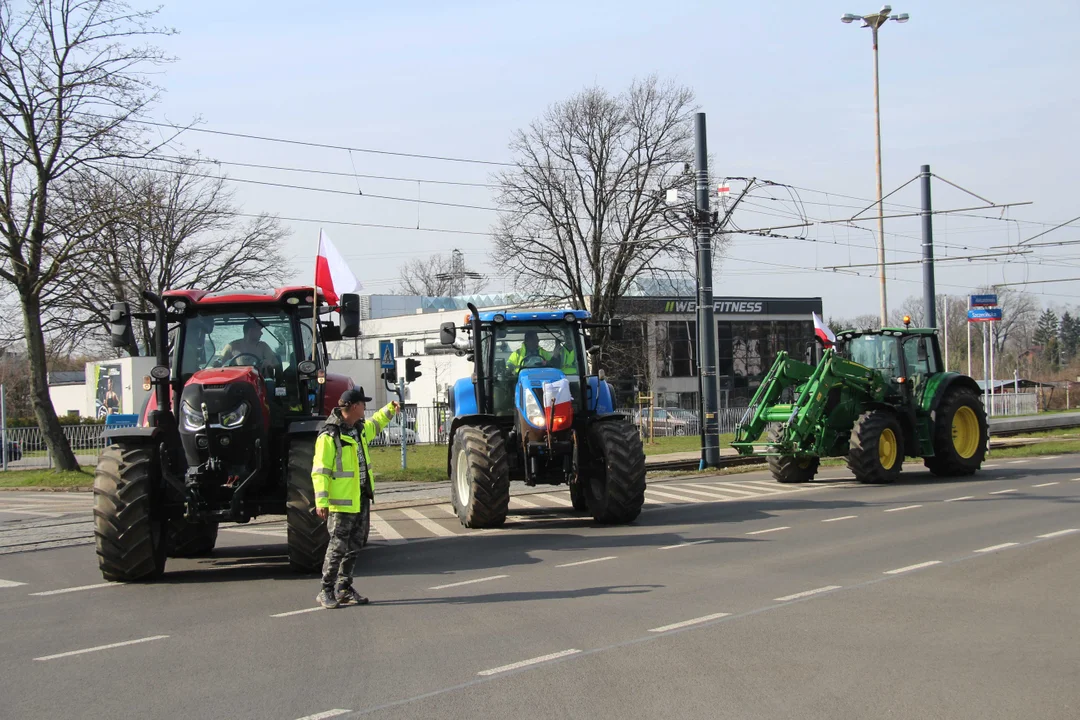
346	538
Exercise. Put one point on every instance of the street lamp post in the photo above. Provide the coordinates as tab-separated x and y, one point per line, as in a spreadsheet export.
874	22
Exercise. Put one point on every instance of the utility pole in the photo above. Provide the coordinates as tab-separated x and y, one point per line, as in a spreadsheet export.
929	296
706	325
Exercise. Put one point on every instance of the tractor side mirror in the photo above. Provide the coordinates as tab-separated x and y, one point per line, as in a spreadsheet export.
329	332
615	334
349	307
447	333
586	340
120	325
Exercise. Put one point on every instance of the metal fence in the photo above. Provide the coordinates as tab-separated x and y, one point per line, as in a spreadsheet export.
1014	404
25	446
669	422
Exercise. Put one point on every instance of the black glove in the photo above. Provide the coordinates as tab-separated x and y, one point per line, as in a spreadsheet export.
366	491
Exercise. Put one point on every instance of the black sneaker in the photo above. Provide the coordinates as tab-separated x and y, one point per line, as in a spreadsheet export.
349	596
327	600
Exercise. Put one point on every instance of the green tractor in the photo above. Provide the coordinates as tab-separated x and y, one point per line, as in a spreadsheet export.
876	398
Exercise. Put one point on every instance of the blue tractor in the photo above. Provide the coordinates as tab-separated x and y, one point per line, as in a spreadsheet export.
502	429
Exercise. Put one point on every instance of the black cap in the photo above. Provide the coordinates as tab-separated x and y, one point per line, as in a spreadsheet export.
353	396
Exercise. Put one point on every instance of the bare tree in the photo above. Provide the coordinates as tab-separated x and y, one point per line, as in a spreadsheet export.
438	275
71	82
171	228
582	211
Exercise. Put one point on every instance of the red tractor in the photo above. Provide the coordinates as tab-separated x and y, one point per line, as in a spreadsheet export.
240	389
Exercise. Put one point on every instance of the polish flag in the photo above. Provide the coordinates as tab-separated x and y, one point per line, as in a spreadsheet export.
332	273
824	334
558	405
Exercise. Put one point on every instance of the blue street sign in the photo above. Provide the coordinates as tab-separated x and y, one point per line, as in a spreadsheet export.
984	314
386	354
983	300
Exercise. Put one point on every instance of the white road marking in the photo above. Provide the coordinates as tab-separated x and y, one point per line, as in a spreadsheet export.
775	529
76	589
912	567
526	663
35	513
703	493
297	612
522	503
427	523
838	519
989	467
906	507
1058	533
723	489
1076	479
1046	484
1002	492
102	647
384	530
770	490
586	562
673	496
282	533
10	583
992	548
806	593
688	623
966	497
325	715
685	544
448	509
468	582
1018	462
555	499
1051	457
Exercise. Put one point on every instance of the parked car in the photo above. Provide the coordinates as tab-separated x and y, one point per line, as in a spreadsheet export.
392	435
13	451
661	421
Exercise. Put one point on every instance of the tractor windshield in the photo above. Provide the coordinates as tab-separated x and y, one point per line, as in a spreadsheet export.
263	339
531	345
879	352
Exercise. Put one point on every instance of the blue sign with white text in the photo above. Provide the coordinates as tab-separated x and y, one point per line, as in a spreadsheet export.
983	300
386	354
984	314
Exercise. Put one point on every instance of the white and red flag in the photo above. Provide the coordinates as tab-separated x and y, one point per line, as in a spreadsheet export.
824	334
332	273
558	404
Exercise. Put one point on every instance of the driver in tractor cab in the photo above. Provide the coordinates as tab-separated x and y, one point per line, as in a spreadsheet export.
528	353
564	358
251	346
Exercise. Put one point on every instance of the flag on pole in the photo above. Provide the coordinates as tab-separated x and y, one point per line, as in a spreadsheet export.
723	189
558	404
824	334
332	273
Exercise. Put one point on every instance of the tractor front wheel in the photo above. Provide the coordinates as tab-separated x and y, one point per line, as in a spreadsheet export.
613	475
307	534
789	468
960	435
876	448
480	476
129	534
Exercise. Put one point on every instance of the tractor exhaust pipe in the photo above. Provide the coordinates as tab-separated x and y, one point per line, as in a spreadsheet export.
161	336
478	360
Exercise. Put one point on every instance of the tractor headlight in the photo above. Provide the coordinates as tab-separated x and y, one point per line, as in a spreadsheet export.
193	419
533	412
234	418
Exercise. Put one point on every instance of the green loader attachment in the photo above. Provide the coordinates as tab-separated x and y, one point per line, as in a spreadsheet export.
876	398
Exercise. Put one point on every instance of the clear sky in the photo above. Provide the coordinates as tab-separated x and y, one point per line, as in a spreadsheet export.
985	93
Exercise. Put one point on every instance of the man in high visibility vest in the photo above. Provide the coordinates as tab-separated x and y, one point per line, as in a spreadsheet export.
565	359
344	488
530	354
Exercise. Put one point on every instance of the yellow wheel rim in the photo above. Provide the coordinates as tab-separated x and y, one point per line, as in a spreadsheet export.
887	448
965	432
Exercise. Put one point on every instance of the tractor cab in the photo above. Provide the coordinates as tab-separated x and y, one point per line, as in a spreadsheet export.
532	352
904	357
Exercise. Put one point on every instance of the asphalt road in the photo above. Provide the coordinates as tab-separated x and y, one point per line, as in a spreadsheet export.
925	599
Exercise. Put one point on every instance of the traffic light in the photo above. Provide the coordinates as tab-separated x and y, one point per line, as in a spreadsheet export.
410	369
390	375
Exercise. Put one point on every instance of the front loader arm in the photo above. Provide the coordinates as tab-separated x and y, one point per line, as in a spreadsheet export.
785	373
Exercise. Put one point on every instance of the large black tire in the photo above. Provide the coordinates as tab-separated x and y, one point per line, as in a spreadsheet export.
961	434
614	472
788	468
480	476
188	539
129	533
307	531
876	447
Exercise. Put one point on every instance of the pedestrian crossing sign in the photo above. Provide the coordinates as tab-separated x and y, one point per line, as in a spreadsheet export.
386	354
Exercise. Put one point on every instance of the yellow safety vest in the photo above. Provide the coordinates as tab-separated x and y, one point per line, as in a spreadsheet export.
518	358
335	469
568	362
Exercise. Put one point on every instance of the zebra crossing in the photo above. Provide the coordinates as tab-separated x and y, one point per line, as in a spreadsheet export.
45	504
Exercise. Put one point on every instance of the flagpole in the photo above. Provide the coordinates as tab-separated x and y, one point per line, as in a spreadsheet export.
315	301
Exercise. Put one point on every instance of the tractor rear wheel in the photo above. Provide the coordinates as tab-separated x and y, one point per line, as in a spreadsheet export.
189	539
789	468
130	536
614	473
960	435
306	530
480	476
876	447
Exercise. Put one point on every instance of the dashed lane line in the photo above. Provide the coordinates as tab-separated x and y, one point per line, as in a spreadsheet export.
527	663
587	562
838	519
296	612
423	521
909	568
770	530
688	623
685	544
1046	484
992	548
468	582
80	588
807	593
10	583
906	507
958	499
325	714
1059	533
1018	462
1003	492
101	647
